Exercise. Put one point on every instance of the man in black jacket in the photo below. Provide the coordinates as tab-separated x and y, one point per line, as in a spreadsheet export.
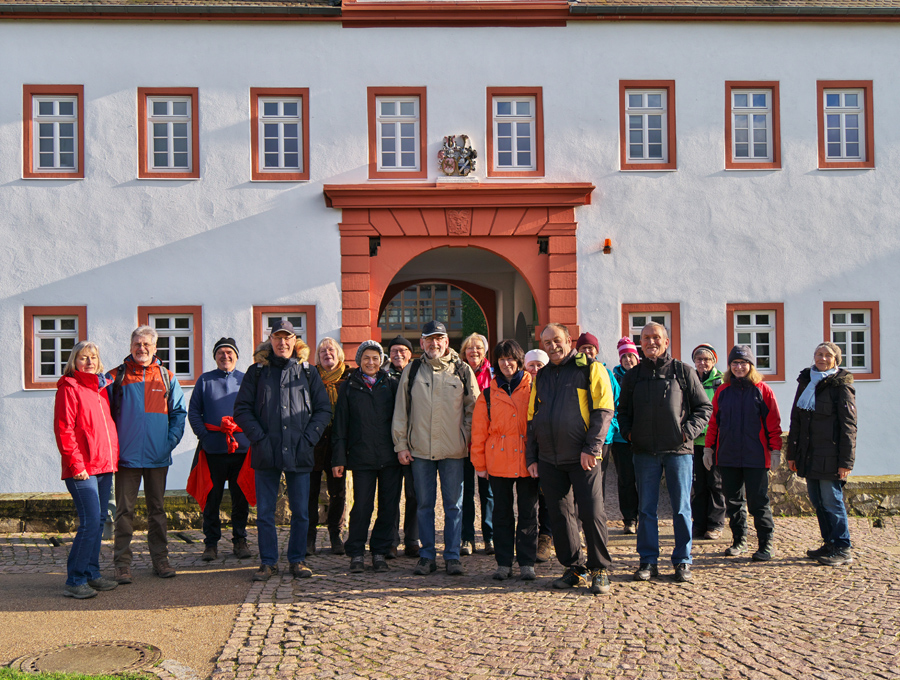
662	409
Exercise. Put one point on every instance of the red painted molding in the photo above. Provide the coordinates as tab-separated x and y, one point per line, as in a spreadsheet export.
29	171
454	195
443	14
197	312
869	114
257	171
773	86
538	151
32	380
671	146
144	171
778	308
372	95
875	327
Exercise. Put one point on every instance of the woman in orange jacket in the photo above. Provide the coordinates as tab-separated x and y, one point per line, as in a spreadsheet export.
498	454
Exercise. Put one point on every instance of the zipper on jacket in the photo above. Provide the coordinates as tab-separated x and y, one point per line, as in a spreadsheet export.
106	427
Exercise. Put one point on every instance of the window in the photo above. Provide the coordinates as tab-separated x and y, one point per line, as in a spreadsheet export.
302	317
415	306
515	137
752	128
397	133
53	125
647	124
168	133
50	335
180	343
854	327
279	137
761	326
845	124
636	316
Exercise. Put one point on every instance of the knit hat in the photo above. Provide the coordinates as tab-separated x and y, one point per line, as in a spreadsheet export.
537	355
587	339
225	342
741	353
399	340
709	348
627	346
369	344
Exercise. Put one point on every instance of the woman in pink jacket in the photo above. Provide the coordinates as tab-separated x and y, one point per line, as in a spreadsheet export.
87	441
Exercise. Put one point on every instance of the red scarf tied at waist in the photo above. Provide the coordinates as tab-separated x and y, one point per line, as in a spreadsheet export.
229	427
199	482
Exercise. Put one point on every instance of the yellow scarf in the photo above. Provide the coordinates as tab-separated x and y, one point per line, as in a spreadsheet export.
331	379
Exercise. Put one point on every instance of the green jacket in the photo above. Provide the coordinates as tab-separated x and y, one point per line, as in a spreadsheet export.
710	385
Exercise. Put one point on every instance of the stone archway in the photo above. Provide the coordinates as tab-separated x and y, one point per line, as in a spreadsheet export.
384	226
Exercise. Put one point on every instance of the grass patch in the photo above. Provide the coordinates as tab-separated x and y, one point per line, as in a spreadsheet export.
11	674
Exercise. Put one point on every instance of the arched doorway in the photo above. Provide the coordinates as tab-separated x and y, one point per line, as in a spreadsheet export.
385	227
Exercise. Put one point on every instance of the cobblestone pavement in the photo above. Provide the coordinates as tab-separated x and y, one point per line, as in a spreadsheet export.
789	618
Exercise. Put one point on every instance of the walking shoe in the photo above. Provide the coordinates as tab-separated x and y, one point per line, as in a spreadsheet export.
265	572
163	569
300	570
123	575
630	528
712	535
739	547
211	553
683	573
357	564
545	543
837	557
573	576
379	563
453	567
600	582
467	548
82	592
527	572
824	549
103	583
241	549
645	571
425	566
765	552
502	573
311	547
411	550
391	554
337	545
488	547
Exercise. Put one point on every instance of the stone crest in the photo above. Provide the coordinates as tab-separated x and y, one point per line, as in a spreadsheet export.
457	157
459	221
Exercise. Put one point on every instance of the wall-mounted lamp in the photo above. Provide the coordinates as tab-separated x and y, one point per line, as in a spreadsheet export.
607	246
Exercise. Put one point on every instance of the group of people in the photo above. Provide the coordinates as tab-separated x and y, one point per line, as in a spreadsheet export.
536	430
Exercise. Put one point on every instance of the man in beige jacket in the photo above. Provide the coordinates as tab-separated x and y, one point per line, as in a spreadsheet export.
431	429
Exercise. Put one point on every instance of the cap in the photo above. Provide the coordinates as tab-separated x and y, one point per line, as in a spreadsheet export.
369	344
399	340
587	339
741	353
433	328
537	355
282	326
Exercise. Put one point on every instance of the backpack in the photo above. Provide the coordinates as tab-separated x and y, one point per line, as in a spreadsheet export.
117	388
458	371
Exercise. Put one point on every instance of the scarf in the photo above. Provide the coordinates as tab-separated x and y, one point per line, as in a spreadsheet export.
369	380
807	400
331	379
509	385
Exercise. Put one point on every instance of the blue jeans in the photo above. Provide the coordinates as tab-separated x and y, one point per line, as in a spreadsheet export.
648	469
827	497
298	501
91	497
425	474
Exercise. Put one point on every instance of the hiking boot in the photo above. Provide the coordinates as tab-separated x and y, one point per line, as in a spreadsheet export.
82	592
123	575
629	528
683	573
241	549
211	553
391	554
379	563
824	549
300	570
453	567
163	569
265	572
337	545
545	543
573	576
102	583
645	571
712	535
738	547
600	582
357	564
467	548
311	547
411	550
502	573
837	557
488	547
765	552
425	566
527	572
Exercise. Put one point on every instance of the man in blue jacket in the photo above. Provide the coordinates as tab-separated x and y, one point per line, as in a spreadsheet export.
148	409
283	408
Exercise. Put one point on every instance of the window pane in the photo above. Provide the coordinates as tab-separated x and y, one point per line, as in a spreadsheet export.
857	317
45	108
851	99
762	319
759	99
740	100
654	101
67	108
179	108
67	325
832	99
504	108
407	109
743	319
291	108
160	108
635	100
270	108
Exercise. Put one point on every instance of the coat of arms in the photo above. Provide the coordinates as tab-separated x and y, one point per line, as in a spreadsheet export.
457	157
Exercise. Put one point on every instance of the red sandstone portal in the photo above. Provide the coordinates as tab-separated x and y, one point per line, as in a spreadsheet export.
410	219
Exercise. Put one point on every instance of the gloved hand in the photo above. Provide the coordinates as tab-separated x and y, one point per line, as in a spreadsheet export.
775	458
708	458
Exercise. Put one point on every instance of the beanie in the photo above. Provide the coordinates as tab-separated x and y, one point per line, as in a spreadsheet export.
709	348
587	339
225	342
369	344
741	353
626	346
400	340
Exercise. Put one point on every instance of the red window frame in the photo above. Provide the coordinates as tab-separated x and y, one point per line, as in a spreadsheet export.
873	307
28	94
372	94
778	307
31	380
538	94
674	309
869	113
143	93
671	146
730	162
259	173
309	310
143	314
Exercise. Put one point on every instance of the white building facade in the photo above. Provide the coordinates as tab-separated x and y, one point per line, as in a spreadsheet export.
205	168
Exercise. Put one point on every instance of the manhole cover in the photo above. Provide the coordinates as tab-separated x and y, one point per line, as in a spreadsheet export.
91	658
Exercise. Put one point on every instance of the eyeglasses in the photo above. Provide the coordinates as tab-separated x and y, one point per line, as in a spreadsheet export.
740	364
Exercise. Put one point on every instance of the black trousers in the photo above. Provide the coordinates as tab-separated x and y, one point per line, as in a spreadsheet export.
627	482
707	496
543	516
508	533
387	482
410	518
756	483
223	468
337	501
486	501
560	484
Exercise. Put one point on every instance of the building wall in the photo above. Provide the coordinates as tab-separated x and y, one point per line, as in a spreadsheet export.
700	236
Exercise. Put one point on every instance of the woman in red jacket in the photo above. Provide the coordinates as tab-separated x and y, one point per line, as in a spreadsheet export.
87	441
498	452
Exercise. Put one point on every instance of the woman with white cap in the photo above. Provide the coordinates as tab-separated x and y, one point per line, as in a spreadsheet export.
535	360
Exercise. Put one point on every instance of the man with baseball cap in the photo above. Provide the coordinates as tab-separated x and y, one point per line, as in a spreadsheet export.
431	430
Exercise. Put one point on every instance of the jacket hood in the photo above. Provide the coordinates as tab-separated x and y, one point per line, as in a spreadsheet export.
842	377
264	349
